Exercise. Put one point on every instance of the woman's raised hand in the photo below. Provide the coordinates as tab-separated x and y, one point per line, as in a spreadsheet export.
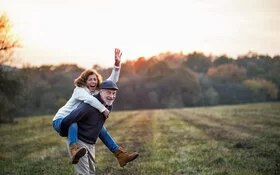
118	56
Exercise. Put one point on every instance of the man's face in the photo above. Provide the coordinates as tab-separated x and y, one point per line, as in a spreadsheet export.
108	96
91	82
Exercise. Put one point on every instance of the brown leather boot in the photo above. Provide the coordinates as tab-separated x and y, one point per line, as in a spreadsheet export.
76	152
124	157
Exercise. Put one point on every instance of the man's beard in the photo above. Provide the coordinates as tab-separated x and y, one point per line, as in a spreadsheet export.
109	102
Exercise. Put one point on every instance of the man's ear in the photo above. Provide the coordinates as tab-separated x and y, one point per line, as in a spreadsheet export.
100	91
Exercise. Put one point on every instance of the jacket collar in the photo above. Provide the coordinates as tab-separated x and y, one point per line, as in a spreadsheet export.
98	96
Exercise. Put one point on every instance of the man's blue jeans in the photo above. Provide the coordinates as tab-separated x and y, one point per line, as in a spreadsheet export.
73	135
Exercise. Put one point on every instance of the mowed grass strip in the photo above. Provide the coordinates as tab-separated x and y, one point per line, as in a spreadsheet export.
190	150
133	134
237	139
31	146
255	150
172	142
261	118
156	135
209	153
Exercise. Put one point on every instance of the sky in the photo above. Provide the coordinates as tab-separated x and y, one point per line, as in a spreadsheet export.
85	32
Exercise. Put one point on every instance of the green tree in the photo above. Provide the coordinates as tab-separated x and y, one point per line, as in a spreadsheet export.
224	59
211	97
262	89
47	88
179	88
173	60
198	62
227	73
158	69
257	66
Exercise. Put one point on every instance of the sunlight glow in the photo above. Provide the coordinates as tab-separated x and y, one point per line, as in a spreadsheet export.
87	32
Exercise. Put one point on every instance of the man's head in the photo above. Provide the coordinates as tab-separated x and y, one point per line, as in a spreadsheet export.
108	91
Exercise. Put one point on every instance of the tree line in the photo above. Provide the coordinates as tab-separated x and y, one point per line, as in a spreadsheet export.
167	80
177	80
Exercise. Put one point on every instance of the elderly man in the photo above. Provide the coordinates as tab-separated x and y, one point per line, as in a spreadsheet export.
90	122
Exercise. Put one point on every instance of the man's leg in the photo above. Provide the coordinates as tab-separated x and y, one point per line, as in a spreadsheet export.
86	163
69	127
91	160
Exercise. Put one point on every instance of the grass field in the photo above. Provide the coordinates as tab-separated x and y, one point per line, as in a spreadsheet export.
240	139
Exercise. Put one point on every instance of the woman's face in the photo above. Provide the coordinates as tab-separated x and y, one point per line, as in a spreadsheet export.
91	82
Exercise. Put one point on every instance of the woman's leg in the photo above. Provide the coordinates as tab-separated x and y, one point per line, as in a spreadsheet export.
108	140
68	128
56	124
73	117
73	133
76	151
72	130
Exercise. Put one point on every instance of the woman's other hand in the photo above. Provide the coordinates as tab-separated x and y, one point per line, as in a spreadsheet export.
106	113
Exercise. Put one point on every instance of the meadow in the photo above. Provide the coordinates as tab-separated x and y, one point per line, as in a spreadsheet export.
234	139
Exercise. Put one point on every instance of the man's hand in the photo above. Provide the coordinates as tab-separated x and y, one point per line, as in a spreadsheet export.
118	56
106	113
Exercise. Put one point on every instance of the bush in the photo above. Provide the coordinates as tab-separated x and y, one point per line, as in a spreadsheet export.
262	89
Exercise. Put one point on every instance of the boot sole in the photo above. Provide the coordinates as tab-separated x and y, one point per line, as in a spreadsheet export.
130	160
78	155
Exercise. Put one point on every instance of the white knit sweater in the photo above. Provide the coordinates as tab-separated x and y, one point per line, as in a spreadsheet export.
82	94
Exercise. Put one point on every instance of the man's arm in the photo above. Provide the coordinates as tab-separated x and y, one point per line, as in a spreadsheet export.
81	94
116	70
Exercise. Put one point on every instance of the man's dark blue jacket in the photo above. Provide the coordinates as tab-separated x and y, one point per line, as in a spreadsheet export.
90	122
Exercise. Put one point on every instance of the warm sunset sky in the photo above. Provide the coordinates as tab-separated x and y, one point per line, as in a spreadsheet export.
86	32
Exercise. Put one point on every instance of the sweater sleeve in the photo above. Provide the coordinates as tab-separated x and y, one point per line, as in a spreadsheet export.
115	74
81	94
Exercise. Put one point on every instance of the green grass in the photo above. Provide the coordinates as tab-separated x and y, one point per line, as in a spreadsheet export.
238	139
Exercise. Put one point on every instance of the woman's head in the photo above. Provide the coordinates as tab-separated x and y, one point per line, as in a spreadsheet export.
90	79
